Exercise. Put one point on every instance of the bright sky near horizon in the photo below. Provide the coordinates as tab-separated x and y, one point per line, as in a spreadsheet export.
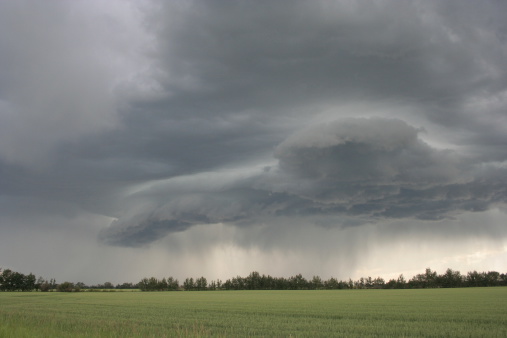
216	138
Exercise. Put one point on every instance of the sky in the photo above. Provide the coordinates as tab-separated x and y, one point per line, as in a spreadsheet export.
215	138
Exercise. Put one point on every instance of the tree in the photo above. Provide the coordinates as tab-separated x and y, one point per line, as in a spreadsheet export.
316	283
81	285
126	286
493	278
28	282
369	282
401	283
298	282
201	284
172	284
108	285
148	284
350	284
219	284
378	283
188	284
162	285
16	281
253	281
227	284
52	284
360	284
451	279
391	284
44	285
474	278
331	283
66	287
143	284
237	283
4	280
429	279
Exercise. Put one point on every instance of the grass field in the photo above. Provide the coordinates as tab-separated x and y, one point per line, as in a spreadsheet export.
471	312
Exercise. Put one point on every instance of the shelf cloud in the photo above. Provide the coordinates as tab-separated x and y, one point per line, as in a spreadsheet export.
370	168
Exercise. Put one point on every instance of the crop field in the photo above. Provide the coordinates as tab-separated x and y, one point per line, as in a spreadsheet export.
467	312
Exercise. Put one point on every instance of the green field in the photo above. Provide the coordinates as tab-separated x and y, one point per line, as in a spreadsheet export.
468	312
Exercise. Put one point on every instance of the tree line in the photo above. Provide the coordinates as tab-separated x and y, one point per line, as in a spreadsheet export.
428	279
16	281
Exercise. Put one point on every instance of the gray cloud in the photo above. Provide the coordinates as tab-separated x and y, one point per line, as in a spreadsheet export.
355	150
324	114
369	168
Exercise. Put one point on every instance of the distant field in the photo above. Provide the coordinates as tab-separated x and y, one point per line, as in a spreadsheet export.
470	312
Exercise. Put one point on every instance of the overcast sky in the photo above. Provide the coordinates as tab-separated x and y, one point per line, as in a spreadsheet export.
216	138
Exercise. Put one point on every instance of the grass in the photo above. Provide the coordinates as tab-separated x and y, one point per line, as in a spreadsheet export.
470	312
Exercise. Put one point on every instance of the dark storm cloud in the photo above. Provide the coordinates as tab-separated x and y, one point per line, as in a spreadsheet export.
232	112
260	62
233	80
363	150
370	168
325	49
175	212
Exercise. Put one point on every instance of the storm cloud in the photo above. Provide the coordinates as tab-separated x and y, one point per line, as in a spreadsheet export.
370	168
178	126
